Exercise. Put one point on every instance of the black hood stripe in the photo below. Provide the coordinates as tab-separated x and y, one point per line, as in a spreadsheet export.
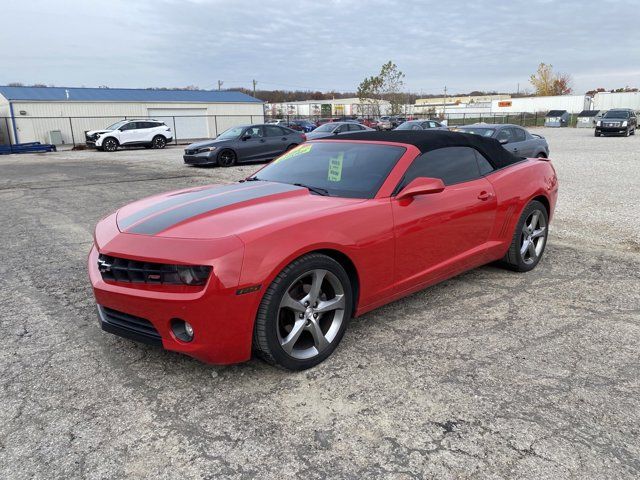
164	220
174	201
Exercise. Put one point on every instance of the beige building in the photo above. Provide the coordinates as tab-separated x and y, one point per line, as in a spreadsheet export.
31	114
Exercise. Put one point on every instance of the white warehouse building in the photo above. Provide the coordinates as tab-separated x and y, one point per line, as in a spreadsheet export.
43	114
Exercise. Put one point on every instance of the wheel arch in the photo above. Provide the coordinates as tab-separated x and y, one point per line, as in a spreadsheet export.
345	261
112	138
330	251
224	149
544	201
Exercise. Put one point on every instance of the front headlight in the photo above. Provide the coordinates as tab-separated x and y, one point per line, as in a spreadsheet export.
624	124
598	123
207	149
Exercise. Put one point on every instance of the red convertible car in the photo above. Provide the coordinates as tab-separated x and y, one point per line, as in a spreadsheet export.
278	263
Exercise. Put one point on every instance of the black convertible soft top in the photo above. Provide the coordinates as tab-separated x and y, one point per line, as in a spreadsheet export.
427	140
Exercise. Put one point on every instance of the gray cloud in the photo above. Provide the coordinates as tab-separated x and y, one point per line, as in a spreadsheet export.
491	44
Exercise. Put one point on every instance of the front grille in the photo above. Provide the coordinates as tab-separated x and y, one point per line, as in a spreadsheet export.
612	124
123	270
129	326
117	269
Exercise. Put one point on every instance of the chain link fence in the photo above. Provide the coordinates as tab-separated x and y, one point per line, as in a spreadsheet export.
70	131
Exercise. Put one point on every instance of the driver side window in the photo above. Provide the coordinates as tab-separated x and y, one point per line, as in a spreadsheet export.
254	132
450	164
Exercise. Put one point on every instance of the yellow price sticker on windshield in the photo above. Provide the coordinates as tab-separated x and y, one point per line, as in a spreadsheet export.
335	168
299	150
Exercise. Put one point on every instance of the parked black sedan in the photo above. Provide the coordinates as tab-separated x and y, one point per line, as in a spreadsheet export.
513	138
617	121
247	143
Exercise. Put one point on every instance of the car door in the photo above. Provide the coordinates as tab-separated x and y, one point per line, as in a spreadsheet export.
439	235
127	133
277	140
252	145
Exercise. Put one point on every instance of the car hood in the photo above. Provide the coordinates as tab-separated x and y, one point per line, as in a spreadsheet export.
93	132
218	211
207	143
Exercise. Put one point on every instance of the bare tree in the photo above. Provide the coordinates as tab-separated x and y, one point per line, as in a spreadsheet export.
387	85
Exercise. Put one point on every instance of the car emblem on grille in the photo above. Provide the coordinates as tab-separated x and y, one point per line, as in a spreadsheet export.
104	266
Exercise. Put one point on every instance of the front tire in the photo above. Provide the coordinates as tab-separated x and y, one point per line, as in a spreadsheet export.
227	158
158	142
304	313
596	134
529	238
110	145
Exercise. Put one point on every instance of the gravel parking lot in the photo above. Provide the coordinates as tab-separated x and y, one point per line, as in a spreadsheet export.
492	374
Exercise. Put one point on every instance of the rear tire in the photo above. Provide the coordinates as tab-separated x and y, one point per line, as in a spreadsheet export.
304	313
227	158
293	145
529	238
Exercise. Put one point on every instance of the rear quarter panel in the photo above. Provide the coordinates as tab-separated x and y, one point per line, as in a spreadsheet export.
515	186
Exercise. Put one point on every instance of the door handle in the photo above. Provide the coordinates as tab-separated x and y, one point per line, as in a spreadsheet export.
262	140
484	196
284	138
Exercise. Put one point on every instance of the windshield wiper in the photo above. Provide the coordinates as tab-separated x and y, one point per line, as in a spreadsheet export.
318	190
251	179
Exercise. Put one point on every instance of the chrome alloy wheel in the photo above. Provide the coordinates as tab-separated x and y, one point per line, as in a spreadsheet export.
310	314
534	234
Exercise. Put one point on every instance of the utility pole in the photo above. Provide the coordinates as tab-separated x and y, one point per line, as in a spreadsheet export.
444	107
518	89
220	83
254	87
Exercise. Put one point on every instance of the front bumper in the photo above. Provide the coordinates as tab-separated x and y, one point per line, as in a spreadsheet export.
222	320
208	158
611	130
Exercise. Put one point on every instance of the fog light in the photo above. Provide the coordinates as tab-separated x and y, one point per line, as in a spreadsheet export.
188	329
182	330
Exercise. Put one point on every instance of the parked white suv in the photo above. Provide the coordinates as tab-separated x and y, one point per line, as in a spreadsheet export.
129	133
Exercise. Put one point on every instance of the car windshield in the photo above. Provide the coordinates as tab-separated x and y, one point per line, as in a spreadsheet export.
341	169
483	132
116	125
326	127
231	133
616	114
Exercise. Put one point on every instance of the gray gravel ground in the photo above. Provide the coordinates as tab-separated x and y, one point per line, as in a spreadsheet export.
492	374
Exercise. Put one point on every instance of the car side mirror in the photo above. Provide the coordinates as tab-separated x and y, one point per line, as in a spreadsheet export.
421	186
504	141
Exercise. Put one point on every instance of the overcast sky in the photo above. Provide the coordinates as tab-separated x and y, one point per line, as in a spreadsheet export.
319	44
